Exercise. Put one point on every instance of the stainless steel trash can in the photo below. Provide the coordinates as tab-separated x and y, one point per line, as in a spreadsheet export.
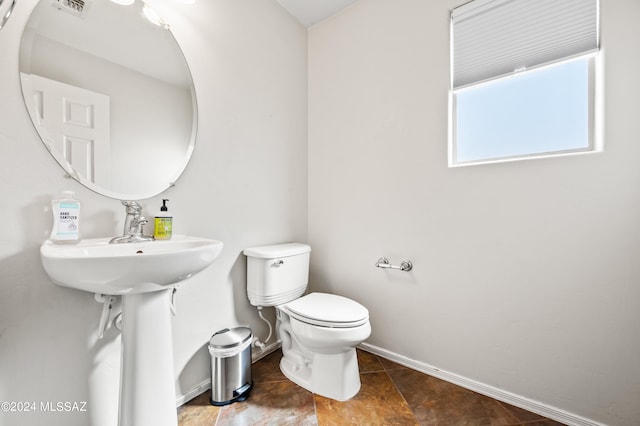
230	351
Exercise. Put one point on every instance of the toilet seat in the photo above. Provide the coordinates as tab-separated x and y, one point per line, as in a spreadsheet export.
327	310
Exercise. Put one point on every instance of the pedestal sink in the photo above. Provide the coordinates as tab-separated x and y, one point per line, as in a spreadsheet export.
143	274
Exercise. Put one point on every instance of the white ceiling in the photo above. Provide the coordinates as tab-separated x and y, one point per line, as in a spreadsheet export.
309	12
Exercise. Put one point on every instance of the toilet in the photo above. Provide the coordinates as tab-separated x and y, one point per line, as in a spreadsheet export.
319	332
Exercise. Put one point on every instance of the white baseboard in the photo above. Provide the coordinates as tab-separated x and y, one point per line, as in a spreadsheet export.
194	392
484	389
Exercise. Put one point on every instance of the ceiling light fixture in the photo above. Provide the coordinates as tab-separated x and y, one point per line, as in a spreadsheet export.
124	2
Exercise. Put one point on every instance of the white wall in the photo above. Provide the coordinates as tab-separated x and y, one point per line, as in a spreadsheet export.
525	274
246	185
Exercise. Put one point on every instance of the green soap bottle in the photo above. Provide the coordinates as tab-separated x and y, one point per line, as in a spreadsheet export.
163	223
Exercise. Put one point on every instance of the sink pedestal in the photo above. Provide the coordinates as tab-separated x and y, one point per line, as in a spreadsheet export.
147	383
144	274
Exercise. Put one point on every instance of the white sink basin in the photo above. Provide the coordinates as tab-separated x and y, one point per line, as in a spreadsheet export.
96	266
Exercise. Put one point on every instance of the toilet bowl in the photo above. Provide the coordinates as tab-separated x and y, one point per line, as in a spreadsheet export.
319	354
319	332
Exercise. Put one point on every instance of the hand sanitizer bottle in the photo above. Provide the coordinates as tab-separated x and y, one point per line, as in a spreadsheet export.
163	223
66	219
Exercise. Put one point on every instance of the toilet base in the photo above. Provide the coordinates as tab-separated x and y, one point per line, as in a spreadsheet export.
334	376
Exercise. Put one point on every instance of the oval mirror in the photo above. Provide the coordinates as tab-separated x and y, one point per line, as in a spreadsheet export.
110	94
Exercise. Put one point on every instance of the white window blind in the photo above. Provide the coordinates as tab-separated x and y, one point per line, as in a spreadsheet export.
493	38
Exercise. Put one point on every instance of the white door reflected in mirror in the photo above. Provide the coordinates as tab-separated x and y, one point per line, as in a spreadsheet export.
79	131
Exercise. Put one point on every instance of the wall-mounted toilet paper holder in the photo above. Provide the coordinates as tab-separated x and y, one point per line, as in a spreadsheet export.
405	265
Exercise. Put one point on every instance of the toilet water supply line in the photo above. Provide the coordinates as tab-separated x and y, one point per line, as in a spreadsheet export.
256	341
107	305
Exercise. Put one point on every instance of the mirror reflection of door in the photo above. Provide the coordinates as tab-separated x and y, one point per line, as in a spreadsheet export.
76	122
112	49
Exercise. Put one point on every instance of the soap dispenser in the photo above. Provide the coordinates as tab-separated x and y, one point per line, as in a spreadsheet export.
66	219
163	223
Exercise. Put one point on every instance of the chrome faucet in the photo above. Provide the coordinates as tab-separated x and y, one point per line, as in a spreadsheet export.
133	223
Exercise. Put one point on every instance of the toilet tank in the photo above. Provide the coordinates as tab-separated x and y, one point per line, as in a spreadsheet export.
277	274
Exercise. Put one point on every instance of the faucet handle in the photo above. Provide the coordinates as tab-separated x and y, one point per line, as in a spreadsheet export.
132	206
140	220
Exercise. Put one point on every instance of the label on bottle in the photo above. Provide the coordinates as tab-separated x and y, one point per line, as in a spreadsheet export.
66	226
163	228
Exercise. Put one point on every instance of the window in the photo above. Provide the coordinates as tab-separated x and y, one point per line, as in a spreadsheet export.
522	79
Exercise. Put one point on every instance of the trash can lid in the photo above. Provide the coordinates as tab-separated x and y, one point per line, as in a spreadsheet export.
229	338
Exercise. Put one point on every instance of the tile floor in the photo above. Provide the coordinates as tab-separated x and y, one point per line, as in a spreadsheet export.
390	395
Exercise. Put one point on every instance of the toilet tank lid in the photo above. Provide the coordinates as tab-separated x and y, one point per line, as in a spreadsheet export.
275	251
